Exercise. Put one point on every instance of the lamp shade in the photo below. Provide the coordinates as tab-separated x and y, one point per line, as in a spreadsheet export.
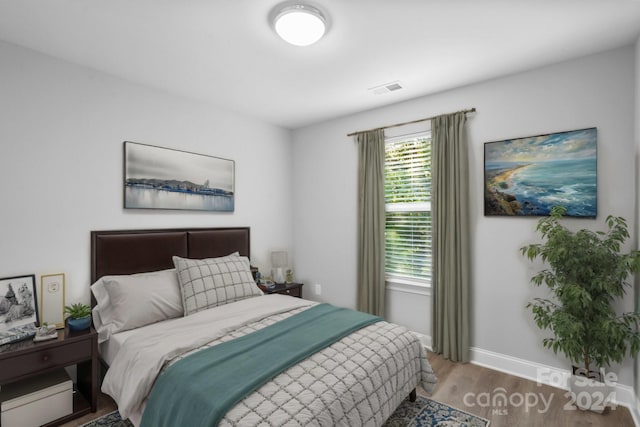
279	259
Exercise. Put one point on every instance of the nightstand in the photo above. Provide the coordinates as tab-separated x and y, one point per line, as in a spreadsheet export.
293	289
26	359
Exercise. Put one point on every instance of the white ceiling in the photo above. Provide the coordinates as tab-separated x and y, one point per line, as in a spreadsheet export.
225	52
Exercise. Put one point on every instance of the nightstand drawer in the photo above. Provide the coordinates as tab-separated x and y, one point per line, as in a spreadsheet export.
295	292
40	360
291	289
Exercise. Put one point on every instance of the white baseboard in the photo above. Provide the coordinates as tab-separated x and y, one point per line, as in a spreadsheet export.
552	376
424	339
635	412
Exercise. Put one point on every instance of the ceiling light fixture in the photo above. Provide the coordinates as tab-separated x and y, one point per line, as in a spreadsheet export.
299	24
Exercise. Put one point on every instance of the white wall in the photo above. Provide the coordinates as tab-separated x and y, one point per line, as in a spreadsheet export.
637	199
61	165
591	91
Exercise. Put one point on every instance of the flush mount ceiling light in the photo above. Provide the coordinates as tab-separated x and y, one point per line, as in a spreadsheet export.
299	24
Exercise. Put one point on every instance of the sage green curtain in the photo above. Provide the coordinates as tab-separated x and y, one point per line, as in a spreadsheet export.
371	222
450	239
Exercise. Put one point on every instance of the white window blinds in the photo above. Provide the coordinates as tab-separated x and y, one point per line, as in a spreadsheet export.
408	208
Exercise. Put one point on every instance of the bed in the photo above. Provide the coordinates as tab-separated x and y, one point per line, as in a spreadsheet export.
150	325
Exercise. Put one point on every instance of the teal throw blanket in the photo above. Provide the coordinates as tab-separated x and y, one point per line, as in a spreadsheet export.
201	388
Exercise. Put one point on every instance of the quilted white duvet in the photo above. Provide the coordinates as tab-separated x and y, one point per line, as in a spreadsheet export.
357	381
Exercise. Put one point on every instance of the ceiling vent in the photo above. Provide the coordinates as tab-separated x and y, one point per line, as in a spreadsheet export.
386	88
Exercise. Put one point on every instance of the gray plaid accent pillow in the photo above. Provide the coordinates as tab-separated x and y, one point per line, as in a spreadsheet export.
207	283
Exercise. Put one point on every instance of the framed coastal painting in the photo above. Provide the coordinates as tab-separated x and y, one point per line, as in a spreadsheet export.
528	176
163	178
18	308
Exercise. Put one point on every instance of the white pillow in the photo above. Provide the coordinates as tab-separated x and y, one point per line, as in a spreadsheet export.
131	301
207	283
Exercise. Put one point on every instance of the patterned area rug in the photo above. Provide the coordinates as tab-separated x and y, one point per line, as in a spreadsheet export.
424	412
110	420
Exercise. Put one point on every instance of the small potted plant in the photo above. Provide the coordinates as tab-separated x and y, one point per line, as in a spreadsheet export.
587	271
79	316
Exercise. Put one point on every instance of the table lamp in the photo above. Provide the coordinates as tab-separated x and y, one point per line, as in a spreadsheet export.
278	266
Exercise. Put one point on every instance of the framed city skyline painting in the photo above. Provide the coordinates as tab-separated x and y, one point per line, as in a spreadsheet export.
528	176
163	178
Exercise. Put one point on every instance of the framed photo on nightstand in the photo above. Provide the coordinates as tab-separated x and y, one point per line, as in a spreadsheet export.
18	308
52	299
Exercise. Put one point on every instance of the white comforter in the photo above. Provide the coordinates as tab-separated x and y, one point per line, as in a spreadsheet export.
359	380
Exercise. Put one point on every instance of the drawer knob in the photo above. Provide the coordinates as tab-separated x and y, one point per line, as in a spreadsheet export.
45	357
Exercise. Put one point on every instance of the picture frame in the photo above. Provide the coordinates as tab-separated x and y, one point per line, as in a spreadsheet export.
528	176
18	308
164	178
52	299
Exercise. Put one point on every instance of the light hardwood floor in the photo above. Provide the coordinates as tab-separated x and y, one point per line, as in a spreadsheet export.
105	406
456	380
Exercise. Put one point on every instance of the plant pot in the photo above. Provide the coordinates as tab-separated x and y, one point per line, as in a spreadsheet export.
589	394
79	324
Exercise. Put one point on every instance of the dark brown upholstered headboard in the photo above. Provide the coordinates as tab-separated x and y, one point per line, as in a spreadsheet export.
137	251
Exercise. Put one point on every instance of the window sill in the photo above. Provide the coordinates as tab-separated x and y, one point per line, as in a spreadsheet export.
410	287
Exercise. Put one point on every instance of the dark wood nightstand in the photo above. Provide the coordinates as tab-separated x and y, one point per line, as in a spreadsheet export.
25	359
293	289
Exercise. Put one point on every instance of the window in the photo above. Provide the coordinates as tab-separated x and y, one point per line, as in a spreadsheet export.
407	191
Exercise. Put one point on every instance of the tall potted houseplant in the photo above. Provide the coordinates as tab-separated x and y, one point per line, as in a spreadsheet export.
587	271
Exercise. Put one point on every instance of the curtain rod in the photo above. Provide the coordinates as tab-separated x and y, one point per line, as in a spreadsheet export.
470	110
